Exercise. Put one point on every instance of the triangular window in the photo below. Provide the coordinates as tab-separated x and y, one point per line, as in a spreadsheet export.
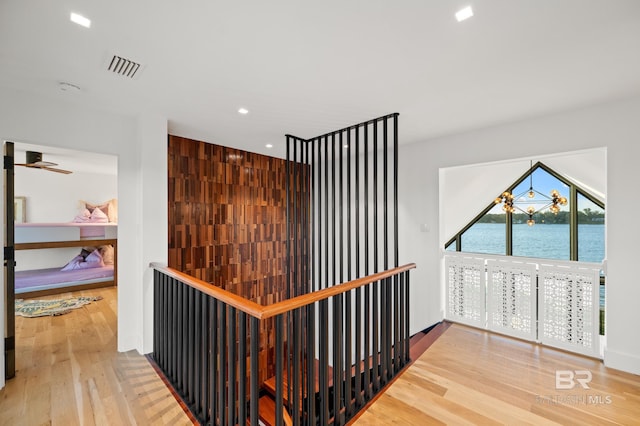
542	215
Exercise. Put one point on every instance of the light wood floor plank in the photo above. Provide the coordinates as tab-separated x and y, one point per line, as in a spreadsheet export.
69	373
470	376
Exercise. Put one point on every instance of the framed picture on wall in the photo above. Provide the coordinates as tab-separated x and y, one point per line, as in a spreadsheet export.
20	209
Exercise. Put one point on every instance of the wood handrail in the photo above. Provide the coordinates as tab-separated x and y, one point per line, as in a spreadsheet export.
262	312
238	302
316	296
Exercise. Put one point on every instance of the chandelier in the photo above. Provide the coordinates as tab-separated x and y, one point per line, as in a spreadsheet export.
511	203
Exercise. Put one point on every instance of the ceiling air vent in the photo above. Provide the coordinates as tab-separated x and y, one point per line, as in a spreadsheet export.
123	66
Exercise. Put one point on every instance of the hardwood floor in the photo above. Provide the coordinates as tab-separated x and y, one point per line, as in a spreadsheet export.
69	373
469	376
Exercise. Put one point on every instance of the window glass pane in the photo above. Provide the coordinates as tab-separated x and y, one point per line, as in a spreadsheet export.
487	235
451	247
548	236
590	231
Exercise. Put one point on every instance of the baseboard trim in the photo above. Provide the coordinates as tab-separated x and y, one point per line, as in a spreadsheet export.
622	361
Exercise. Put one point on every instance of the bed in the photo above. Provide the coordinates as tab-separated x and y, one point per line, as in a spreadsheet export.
39	282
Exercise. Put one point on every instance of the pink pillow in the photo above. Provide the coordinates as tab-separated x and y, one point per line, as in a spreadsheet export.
94	260
85	216
98	216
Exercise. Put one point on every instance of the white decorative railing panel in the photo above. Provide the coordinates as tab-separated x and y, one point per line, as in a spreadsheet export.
569	307
465	290
511	297
552	302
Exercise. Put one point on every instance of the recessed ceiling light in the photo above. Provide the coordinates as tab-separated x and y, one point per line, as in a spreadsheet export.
345	146
80	20
269	146
243	111
463	14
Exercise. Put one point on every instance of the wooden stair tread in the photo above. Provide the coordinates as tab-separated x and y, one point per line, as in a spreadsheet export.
267	412
270	383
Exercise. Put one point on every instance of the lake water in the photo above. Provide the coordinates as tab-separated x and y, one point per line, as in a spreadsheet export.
540	240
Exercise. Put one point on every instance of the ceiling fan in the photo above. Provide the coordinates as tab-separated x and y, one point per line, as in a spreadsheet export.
34	161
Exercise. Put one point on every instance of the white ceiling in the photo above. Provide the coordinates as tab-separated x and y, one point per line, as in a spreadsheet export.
307	68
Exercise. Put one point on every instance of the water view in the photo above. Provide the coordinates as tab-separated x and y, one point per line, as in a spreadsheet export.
547	241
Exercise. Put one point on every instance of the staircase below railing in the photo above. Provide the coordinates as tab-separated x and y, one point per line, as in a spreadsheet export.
334	349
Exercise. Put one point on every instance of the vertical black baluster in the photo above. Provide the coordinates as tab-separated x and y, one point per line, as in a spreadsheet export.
312	215
347	355
156	298
242	368
375	299
311	364
213	358
253	373
279	369
184	341
308	202
190	345
166	331
397	329
196	352
404	330
385	251
326	211
349	205
177	330
340	209
378	321
368	352
179	338
406	304
366	199
337	359
166	321
204	361
401	308
324	363
222	354
319	214
347	310
376	205
296	191
333	209
231	366
395	191
358	341
288	213
293	221
173	344
295	387
157	317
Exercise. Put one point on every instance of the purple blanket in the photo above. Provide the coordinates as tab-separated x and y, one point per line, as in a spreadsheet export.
39	278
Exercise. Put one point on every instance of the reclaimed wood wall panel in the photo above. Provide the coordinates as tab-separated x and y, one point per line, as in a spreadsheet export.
228	224
227	217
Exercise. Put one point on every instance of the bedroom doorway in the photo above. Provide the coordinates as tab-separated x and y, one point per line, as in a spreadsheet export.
64	217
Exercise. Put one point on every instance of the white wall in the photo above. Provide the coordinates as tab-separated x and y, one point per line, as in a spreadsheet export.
57	122
613	125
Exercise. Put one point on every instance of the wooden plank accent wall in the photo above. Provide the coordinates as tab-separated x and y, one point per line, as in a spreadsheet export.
227	224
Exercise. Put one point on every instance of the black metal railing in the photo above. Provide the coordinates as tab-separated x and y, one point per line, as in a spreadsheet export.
329	361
